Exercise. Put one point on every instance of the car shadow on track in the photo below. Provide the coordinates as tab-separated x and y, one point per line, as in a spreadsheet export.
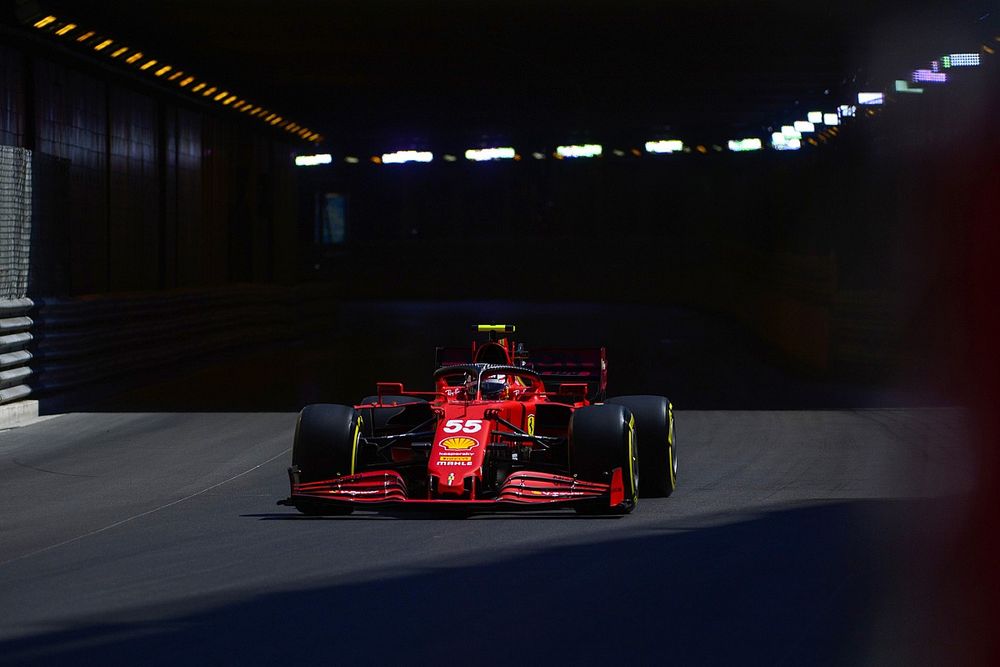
440	516
841	583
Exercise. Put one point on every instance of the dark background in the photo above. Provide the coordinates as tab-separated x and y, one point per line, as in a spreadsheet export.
865	262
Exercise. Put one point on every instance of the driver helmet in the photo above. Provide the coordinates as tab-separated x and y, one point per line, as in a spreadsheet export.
492	387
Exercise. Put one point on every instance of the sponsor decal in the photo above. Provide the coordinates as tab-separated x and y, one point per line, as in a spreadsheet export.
455	457
458	444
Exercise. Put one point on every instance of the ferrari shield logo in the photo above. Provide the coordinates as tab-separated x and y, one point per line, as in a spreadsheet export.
458	444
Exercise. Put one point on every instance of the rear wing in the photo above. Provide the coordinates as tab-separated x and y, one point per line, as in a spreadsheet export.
557	366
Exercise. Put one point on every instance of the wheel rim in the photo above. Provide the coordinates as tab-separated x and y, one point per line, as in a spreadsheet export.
633	462
671	447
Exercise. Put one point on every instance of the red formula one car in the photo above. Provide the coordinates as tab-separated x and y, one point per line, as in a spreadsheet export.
503	429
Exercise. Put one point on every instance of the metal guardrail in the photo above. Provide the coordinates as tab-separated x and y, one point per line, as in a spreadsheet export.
15	337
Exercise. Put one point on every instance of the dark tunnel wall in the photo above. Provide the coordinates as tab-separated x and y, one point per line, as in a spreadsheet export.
136	191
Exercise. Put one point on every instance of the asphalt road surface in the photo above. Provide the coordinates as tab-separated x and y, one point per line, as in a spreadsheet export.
794	538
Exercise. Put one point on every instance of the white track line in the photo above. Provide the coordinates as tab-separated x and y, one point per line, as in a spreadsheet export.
146	513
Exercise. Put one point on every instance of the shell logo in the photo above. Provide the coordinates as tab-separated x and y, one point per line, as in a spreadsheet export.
458	444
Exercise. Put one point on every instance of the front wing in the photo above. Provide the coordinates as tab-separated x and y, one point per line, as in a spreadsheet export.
521	490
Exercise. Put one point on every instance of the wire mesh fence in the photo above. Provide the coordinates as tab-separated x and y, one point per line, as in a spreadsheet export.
15	221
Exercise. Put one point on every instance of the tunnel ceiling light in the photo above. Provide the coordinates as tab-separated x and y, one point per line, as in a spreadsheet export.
579	150
401	157
928	76
846	110
55	27
804	126
961	60
448	157
486	154
871	98
665	146
790	132
351	159
313	160
538	156
790	145
902	86
831	119
815	117
743	145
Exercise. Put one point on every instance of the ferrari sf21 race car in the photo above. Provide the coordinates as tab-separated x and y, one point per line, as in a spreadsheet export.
502	429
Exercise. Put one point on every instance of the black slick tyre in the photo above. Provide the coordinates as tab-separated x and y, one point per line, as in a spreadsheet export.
656	440
325	446
601	438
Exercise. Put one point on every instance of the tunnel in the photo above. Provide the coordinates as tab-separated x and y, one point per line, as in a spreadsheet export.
783	217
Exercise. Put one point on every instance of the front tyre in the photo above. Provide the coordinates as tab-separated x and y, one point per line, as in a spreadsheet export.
326	446
602	438
657	442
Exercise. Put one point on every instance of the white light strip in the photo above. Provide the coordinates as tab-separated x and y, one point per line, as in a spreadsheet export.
584	150
484	154
871	98
831	119
790	132
313	160
962	60
815	117
665	146
741	145
790	145
401	157
804	126
846	110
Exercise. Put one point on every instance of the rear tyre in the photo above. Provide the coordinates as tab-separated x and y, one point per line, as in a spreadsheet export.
602	438
656	441
326	445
